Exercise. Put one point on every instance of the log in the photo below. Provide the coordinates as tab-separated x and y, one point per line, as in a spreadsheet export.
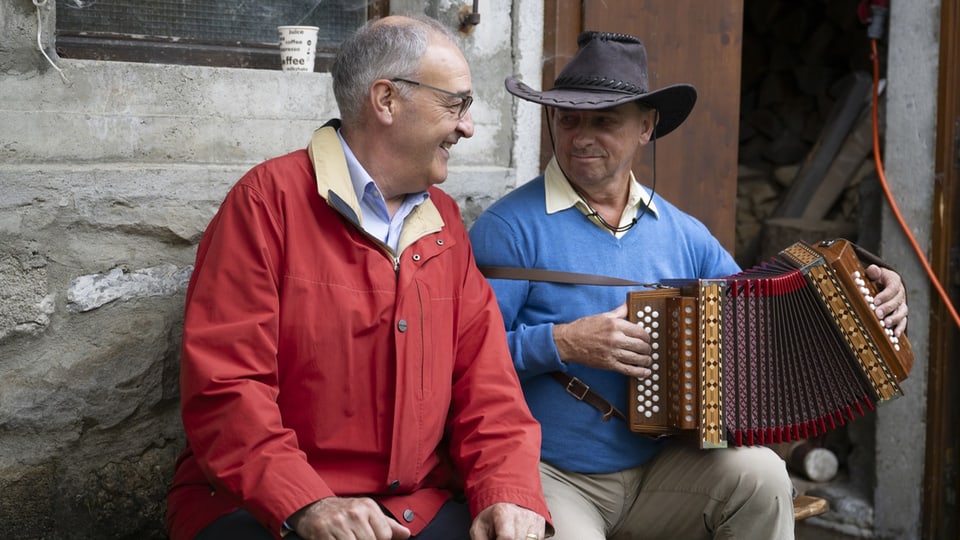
780	233
848	161
813	462
842	118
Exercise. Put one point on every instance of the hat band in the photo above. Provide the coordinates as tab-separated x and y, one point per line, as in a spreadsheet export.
598	83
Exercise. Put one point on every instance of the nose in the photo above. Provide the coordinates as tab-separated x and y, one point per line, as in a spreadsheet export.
465	125
582	138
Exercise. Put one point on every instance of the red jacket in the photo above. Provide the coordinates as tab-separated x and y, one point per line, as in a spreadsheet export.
315	364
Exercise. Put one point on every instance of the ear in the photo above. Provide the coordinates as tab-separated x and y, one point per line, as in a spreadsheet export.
649	123
383	101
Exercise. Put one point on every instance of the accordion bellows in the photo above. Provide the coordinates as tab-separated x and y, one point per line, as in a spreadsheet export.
783	351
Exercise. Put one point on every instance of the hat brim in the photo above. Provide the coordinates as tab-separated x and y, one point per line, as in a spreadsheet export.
673	103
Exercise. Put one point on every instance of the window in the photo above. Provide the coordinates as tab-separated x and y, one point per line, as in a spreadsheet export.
230	33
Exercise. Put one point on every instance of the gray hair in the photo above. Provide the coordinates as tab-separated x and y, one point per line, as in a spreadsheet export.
380	51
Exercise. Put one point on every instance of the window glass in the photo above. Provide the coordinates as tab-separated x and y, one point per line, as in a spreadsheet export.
213	32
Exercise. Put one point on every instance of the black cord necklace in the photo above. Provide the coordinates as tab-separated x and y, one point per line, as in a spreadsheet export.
593	213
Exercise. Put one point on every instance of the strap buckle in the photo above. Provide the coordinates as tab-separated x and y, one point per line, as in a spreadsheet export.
584	389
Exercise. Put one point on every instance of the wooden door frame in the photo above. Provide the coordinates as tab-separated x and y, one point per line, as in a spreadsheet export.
562	21
943	433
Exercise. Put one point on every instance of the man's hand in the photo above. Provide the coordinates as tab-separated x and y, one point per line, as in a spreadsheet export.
891	301
605	341
505	521
340	517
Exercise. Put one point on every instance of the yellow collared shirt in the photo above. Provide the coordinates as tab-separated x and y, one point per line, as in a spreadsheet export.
560	195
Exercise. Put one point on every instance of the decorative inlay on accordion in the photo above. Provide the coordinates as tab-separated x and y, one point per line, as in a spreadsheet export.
786	350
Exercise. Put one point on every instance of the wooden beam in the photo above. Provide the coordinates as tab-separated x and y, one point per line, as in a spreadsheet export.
941	477
562	23
842	118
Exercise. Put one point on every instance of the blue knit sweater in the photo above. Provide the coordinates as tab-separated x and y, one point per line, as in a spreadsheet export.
517	231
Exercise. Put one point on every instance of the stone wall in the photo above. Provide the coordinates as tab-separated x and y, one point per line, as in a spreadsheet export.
109	177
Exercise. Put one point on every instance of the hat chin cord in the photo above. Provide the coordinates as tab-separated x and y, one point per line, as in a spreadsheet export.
594	213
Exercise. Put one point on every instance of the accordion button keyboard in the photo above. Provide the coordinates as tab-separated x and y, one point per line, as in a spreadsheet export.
647	401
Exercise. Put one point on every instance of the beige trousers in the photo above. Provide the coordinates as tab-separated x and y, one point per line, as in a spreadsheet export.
683	494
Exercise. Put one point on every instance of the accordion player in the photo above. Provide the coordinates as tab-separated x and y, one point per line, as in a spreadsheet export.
783	351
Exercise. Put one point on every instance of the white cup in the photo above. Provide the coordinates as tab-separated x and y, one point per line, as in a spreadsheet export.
298	47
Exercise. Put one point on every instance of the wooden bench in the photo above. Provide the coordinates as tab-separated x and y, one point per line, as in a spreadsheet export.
805	506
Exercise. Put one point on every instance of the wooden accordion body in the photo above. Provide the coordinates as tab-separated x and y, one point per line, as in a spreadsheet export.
783	351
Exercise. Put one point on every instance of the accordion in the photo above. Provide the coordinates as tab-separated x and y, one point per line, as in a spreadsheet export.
783	351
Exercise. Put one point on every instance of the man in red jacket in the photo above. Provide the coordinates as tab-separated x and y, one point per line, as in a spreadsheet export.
344	369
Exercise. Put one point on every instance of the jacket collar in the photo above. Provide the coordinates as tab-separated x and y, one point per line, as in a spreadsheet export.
334	186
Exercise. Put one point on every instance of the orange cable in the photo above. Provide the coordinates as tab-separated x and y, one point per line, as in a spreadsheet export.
886	188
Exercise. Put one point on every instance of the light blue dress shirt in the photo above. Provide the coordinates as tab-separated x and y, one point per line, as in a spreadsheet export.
376	219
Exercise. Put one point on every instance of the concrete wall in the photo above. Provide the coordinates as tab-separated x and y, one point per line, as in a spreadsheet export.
107	181
909	154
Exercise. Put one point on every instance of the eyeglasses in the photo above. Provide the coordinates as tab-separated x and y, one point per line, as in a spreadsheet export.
465	99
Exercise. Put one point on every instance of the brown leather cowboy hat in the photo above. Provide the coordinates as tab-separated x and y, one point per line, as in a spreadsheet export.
608	70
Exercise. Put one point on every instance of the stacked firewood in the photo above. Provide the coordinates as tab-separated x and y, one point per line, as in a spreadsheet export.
805	124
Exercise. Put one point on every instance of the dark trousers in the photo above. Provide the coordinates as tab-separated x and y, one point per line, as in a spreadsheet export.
451	523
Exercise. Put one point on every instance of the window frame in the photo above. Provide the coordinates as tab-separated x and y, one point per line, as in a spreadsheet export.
116	46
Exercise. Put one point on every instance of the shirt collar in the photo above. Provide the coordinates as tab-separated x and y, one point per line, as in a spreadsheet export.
363	184
560	195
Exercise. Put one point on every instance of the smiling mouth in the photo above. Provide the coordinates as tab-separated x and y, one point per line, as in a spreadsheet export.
445	146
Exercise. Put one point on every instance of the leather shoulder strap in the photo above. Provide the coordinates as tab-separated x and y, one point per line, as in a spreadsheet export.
579	390
555	276
574	386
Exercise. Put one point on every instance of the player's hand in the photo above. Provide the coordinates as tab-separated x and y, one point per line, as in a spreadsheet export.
891	300
605	341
